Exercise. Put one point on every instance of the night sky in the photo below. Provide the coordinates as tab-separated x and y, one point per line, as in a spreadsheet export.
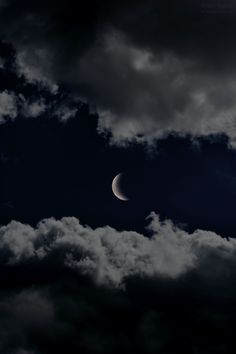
90	90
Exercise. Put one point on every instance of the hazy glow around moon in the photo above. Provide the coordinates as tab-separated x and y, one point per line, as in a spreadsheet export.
116	189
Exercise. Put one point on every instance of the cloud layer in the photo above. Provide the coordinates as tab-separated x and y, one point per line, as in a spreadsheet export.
165	67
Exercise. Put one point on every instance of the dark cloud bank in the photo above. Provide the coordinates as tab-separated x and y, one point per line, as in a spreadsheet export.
68	288
148	68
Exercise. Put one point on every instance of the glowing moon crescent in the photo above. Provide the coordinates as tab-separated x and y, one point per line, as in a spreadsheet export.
116	188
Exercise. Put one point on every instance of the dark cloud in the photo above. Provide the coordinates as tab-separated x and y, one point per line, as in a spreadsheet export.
177	295
149	68
142	95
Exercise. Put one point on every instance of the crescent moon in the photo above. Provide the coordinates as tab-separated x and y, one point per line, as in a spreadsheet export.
116	188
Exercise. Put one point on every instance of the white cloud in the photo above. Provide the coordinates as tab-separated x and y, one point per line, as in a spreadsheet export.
8	106
110	256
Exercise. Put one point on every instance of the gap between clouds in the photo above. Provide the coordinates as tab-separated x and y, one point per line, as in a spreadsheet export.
109	256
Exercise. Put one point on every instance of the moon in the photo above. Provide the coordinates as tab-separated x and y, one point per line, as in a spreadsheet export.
116	188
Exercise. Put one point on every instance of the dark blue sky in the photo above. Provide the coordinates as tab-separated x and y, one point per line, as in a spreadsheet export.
49	168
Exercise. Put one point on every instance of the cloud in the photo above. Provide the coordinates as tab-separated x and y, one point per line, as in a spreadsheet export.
27	67
11	105
142	95
30	307
165	67
64	112
66	287
33	109
15	104
8	106
27	312
110	256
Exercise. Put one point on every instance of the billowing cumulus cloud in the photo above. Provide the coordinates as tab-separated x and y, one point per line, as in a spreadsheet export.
66	287
110	256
